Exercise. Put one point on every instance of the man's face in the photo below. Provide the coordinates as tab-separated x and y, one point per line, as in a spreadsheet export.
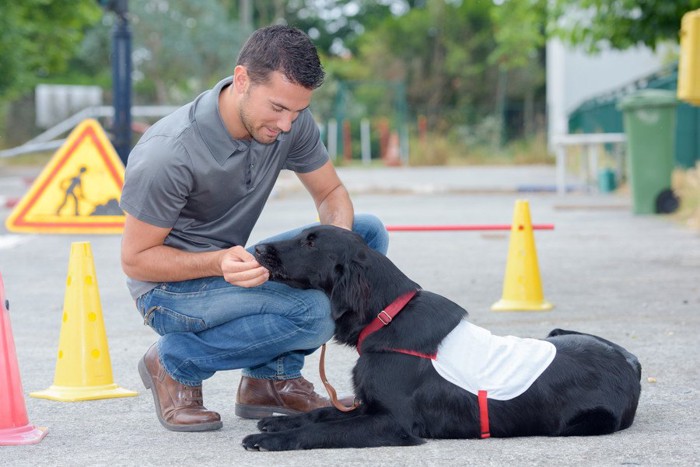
268	109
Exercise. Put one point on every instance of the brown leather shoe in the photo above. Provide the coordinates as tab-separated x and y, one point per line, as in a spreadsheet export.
178	407
258	398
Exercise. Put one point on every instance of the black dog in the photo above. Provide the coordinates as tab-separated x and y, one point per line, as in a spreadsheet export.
580	385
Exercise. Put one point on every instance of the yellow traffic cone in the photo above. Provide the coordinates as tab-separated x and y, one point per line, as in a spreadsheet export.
522	287
83	367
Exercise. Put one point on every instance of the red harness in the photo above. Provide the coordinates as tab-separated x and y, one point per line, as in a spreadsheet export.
385	317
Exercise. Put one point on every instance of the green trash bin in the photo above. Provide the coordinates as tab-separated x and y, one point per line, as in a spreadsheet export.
649	118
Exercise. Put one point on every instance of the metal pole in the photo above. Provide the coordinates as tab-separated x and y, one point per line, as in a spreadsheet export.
332	135
339	108
402	124
121	85
365	141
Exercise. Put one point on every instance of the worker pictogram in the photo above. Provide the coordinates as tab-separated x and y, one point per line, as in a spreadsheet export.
78	190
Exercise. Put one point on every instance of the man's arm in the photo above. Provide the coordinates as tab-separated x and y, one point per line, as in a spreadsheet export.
145	257
328	192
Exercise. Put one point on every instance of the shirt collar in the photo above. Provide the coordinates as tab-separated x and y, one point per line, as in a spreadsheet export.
211	127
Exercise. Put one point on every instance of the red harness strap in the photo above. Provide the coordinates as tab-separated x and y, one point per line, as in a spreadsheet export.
484	414
385	316
482	397
428	356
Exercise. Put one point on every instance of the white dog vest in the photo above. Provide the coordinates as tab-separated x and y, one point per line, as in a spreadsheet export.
488	366
504	367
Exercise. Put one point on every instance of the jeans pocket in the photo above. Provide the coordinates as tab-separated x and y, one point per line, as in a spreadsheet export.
164	320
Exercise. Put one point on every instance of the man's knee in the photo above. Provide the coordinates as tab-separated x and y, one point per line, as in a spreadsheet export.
318	320
372	229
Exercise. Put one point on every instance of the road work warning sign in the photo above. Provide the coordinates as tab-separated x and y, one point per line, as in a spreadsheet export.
78	191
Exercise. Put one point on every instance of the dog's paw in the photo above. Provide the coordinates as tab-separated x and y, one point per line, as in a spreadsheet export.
250	443
274	424
266	442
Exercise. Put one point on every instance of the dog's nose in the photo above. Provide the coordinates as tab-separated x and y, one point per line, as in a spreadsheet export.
263	249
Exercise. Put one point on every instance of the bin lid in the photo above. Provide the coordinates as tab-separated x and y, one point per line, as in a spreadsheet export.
648	98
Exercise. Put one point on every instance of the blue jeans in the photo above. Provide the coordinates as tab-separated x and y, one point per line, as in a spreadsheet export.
207	324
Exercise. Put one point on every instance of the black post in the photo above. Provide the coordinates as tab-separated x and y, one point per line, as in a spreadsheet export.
121	82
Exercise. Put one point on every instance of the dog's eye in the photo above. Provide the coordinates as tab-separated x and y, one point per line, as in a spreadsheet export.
309	240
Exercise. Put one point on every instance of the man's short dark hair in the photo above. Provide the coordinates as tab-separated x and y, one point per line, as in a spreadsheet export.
284	49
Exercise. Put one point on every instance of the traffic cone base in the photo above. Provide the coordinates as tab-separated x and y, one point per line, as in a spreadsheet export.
28	434
83	366
522	287
75	394
519	305
14	423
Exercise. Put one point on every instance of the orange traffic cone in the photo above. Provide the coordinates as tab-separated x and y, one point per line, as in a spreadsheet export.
83	368
522	287
393	151
14	424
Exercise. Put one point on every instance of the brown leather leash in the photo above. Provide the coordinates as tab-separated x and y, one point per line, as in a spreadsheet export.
330	389
383	319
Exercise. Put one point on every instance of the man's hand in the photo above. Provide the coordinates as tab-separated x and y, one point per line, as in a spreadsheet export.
240	268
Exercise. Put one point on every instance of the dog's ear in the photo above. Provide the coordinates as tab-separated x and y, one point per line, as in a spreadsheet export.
350	290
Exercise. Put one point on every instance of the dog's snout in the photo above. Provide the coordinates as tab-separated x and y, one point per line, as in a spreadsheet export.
264	249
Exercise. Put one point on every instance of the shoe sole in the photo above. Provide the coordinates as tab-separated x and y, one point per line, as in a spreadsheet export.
148	382
261	411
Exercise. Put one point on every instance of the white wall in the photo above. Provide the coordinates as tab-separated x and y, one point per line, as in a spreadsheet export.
573	76
56	102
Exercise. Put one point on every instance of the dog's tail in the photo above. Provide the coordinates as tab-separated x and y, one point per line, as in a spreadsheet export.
630	357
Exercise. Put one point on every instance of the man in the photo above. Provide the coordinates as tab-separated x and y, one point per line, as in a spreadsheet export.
195	185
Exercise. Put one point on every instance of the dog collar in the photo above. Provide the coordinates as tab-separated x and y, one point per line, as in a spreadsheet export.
385	316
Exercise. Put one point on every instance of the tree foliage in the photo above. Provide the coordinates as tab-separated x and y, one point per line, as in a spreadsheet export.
457	60
519	32
619	24
38	38
183	46
336	25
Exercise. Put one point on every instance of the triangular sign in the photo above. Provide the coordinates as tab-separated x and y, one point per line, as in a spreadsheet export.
79	189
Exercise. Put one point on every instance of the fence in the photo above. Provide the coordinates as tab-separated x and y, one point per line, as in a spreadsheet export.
600	115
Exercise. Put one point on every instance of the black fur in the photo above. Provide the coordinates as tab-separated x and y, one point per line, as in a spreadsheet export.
591	388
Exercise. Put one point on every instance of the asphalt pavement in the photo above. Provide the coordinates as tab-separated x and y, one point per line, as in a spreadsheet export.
632	279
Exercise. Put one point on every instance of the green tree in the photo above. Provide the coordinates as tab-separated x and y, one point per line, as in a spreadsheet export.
618	23
440	51
519	32
38	38
182	47
334	25
337	25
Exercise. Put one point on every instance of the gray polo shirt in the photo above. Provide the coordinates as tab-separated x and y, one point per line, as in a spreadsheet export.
187	173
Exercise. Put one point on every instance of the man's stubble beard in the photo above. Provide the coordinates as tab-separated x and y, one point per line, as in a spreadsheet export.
247	123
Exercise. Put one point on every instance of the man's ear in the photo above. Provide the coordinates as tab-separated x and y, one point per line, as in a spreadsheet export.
241	80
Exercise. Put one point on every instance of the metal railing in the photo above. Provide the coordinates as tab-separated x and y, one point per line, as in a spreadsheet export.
591	147
49	139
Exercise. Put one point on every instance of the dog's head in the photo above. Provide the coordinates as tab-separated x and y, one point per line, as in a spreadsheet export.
338	262
314	259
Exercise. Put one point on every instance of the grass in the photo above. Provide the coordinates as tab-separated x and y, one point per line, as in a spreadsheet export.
27	160
442	150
